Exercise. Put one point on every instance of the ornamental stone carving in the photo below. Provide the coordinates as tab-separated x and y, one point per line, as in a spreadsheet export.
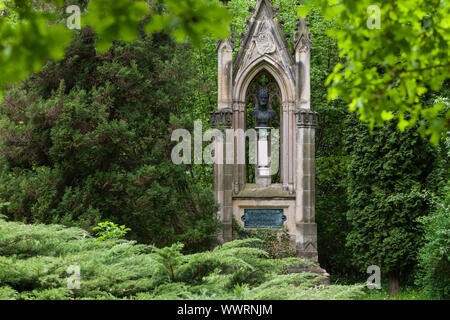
302	37
306	118
222	118
264	41
305	42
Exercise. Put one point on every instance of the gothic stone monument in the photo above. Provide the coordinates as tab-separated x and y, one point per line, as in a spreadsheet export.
288	202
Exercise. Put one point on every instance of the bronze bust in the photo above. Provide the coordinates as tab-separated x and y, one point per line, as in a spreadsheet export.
262	114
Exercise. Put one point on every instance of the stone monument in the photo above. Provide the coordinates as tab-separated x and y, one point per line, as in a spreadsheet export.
290	202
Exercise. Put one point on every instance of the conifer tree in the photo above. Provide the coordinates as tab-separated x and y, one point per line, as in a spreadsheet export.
88	139
387	171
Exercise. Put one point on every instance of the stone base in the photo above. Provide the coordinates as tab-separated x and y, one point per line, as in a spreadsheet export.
311	256
227	233
274	196
306	248
306	241
262	181
314	268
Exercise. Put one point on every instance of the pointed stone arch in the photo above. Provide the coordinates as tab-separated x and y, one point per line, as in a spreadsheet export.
286	83
245	76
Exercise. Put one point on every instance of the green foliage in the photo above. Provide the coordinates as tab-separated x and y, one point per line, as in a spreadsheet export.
31	32
108	230
387	173
434	256
27	40
331	158
113	20
407	293
192	19
387	70
277	244
88	139
34	260
91	148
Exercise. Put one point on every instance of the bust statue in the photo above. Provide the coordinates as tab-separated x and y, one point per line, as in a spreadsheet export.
262	114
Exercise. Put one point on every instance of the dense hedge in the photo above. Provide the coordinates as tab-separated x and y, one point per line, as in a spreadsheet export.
88	139
434	256
387	174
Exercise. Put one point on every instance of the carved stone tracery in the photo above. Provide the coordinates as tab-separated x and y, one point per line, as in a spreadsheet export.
264	40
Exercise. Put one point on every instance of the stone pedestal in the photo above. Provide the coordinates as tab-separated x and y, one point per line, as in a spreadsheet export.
273	196
263	170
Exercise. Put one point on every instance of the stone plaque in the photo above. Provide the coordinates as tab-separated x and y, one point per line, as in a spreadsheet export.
263	218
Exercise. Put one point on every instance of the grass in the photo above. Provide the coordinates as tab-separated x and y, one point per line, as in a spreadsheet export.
406	293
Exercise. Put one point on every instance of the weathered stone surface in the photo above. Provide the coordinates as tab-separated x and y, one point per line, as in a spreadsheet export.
306	118
288	204
222	118
274	191
264	49
313	268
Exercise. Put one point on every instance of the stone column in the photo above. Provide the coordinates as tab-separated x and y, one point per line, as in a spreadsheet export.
239	123
263	175
291	150
306	237
287	133
223	174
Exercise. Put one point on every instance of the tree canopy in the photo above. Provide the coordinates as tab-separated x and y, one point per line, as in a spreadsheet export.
388	65
31	32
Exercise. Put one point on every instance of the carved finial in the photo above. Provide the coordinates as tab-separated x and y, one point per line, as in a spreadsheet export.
231	39
276	8
302	37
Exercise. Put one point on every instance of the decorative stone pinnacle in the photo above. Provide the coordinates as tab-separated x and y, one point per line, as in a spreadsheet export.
276	8
302	37
232	38
247	24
